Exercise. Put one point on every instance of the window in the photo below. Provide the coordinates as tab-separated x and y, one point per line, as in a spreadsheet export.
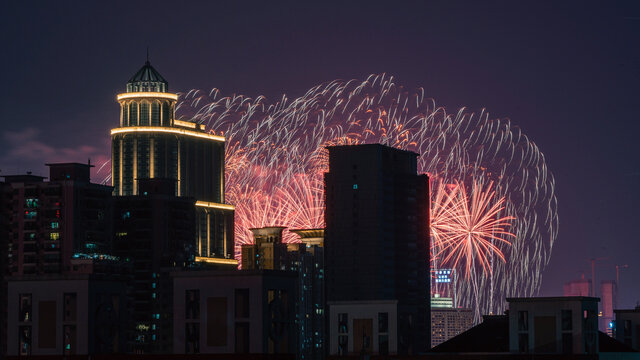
242	338
192	304
383	322
566	320
343	323
54	236
242	303
30	214
69	332
24	333
31	203
567	343
343	345
523	331
383	333
69	307
25	307
192	338
523	321
523	343
55	225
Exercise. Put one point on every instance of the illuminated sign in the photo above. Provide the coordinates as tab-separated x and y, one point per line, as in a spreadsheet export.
442	275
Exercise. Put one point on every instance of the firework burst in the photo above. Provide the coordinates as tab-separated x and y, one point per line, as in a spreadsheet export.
467	229
276	158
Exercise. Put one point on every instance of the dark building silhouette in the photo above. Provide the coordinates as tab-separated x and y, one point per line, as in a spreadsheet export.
307	260
151	143
627	327
155	232
376	251
267	251
57	255
537	328
52	222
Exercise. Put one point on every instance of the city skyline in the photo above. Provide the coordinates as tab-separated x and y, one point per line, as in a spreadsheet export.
588	233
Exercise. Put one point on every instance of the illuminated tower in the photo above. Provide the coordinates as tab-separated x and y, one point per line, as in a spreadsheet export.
151	143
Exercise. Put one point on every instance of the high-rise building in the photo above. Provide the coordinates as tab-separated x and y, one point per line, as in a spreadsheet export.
267	251
151	143
61	274
449	322
608	296
307	259
581	287
52	222
155	232
376	251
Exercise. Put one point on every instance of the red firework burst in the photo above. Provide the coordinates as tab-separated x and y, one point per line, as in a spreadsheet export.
468	229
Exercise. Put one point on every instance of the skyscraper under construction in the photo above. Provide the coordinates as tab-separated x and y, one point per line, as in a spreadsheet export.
151	143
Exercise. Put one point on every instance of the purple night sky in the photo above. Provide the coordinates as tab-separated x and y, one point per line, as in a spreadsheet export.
567	74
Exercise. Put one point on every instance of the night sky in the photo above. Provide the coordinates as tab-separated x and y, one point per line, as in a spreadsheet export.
566	73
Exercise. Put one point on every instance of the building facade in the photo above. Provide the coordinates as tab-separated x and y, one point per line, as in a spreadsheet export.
581	287
627	327
151	143
227	312
73	314
267	251
377	232
449	322
560	325
307	260
154	231
49	222
608	298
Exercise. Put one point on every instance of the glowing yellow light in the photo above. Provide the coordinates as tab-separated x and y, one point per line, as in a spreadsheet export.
156	129
133	95
215	205
211	260
188	124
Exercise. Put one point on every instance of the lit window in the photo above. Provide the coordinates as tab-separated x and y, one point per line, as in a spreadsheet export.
55	225
31	203
355	186
54	236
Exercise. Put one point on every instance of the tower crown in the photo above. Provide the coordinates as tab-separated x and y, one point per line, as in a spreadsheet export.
147	79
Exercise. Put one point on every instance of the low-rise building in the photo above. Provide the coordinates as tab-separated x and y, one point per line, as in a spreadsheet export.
627	327
75	314
363	327
225	312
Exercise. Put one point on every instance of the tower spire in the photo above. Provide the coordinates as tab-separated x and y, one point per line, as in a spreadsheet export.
147	54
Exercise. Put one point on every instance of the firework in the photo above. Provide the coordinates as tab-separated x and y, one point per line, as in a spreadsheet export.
498	179
467	230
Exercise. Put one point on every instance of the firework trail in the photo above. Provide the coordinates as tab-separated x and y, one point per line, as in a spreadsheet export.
488	173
